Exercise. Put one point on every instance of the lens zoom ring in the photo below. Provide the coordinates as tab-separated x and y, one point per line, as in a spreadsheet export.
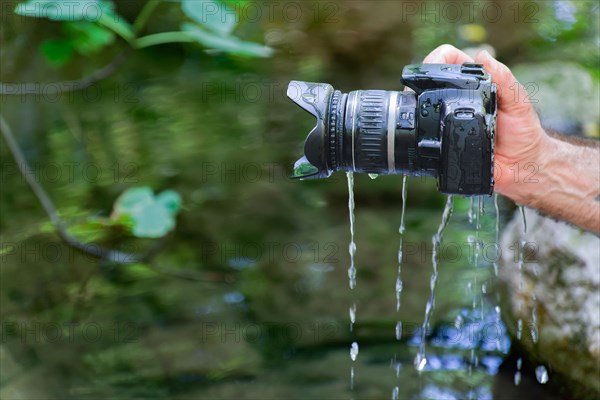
371	141
333	131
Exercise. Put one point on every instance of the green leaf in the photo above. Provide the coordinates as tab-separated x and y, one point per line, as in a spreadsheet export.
88	37
132	199
65	10
215	15
228	44
162	38
57	51
236	2
139	271
150	216
153	221
171	200
89	230
117	24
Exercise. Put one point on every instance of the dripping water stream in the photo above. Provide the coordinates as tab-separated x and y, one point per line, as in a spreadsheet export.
352	272
399	284
521	260
541	373
495	264
420	359
352	246
401	232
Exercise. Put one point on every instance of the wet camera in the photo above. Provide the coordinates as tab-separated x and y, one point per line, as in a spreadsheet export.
444	127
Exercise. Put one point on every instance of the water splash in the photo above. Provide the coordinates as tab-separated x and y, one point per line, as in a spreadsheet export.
400	253
541	374
352	246
420	360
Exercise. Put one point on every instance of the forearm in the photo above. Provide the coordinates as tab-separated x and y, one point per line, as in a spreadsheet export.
567	185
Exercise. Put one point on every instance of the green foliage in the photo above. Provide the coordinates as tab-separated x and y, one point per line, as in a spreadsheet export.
90	25
82	37
57	51
214	15
228	44
61	10
214	24
151	216
138	271
87	28
87	37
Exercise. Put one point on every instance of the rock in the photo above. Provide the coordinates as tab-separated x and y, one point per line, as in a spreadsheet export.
561	276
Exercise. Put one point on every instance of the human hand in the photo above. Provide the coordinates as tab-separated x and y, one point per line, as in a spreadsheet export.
520	139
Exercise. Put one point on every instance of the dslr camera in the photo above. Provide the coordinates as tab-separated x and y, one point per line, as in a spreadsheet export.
444	127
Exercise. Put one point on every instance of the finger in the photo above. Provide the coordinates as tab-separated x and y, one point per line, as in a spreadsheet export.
447	54
512	96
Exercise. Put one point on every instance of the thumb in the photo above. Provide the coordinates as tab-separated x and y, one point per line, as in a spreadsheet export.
512	96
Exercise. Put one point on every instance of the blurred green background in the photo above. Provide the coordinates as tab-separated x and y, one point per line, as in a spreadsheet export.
246	293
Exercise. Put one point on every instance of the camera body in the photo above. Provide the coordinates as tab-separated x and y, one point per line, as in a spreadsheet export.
444	127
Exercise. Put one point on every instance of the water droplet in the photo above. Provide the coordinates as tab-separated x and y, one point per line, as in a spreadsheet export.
309	97
352	312
517	378
399	330
541	374
471	211
534	334
354	351
420	362
352	248
399	285
519	329
481	205
519	363
373	176
458	322
484	288
522	209
304	168
395	393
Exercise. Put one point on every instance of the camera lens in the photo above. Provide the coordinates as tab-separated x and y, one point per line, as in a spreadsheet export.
365	131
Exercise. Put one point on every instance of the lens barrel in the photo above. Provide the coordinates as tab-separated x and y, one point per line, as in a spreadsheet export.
443	128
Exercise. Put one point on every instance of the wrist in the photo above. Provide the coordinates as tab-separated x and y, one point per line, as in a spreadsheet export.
538	189
521	179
